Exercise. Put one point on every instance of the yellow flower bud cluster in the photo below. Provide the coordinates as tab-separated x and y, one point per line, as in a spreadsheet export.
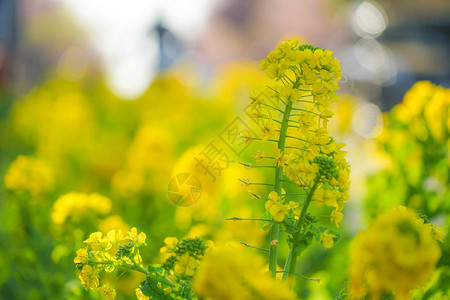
229	274
332	188
306	76
395	254
28	174
79	205
173	278
334	194
106	253
185	255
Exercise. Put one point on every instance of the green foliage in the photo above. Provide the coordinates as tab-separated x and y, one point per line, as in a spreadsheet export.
152	287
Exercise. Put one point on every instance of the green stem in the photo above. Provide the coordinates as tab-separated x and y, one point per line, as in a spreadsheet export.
286	266
293	253
137	267
254	247
275	230
246	219
309	278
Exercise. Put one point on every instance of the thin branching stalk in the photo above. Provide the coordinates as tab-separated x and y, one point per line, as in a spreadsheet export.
275	230
291	261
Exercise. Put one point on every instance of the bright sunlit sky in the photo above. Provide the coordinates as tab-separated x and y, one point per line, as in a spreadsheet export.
120	32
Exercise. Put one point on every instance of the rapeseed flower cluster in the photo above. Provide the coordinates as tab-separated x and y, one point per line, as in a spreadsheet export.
170	280
151	151
425	108
31	175
397	253
77	205
184	256
105	254
306	83
415	143
293	113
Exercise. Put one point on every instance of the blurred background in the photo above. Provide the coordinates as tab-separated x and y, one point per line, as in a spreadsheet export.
384	46
117	97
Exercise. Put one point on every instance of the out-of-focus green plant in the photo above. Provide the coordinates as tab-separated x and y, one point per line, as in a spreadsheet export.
414	149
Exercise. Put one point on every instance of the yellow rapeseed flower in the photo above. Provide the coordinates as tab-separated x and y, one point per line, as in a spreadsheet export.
135	237
258	156
78	205
113	222
97	242
395	254
30	175
82	256
170	245
280	159
325	196
107	292
88	277
327	239
227	273
336	217
275	207
140	295
436	232
186	265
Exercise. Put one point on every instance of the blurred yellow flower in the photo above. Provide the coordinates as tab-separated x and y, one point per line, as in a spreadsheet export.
258	156
82	256
227	273
170	245
414	148
88	277
107	292
327	239
396	253
336	217
113	222
79	205
140	295
436	231
29	174
268	130
186	265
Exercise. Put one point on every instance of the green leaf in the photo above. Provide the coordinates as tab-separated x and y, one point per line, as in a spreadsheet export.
305	242
149	288
445	257
290	225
